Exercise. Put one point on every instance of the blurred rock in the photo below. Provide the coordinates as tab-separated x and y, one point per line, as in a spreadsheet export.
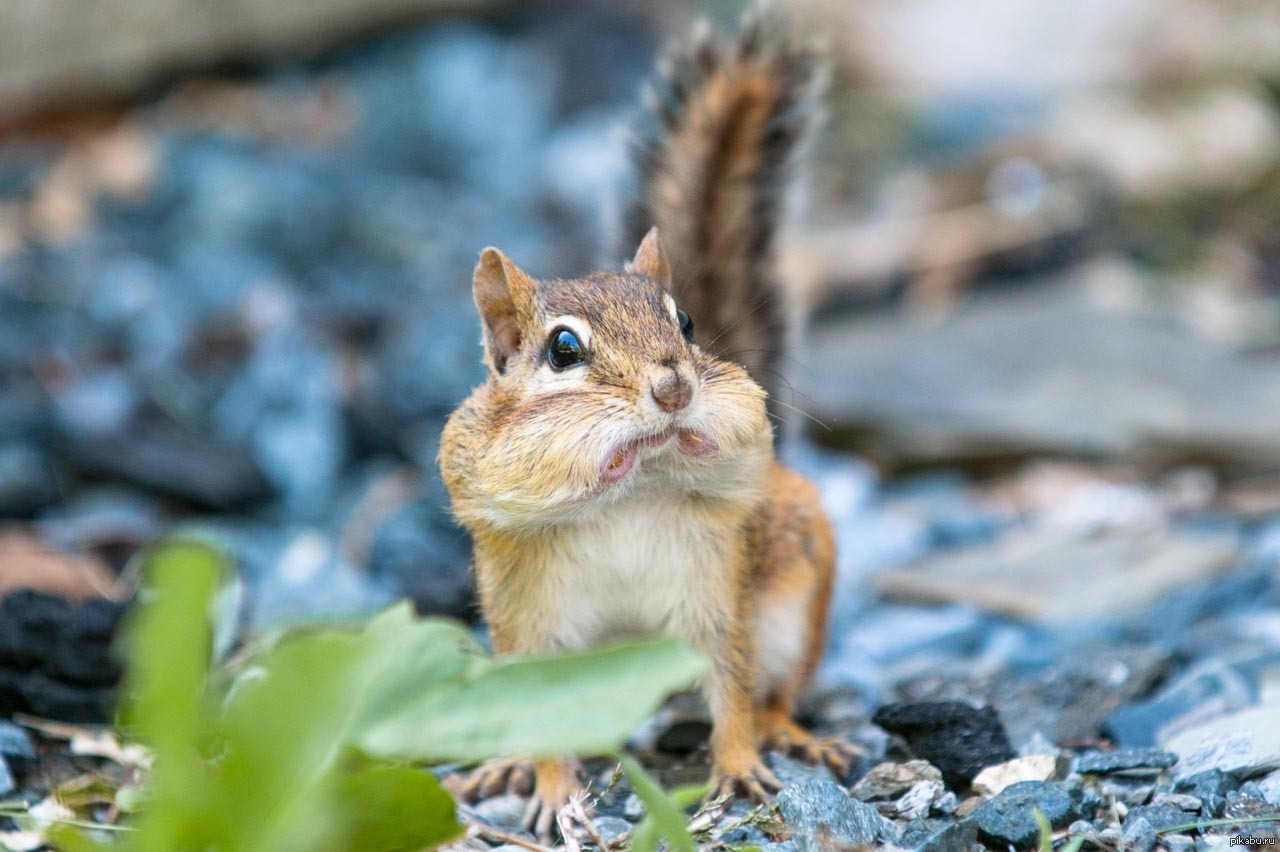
960	740
1040	372
1062	578
1206	690
169	459
7	782
27	479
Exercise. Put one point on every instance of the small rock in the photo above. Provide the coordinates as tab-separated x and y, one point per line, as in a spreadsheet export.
1190	804
993	779
1160	817
634	808
15	741
891	780
968	806
1270	788
919	800
1129	761
7	783
1178	842
504	811
790	771
1139	835
611	827
1009	817
821	816
959	837
1210	786
960	740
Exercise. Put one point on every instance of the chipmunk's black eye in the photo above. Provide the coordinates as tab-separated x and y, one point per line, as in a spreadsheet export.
686	324
564	349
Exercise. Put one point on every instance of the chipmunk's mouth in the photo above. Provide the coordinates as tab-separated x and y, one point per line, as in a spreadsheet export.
622	457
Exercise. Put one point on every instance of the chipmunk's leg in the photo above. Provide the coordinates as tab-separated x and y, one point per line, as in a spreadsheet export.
793	593
724	633
548	782
736	765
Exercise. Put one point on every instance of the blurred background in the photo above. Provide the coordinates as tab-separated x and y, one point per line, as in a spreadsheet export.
1041	381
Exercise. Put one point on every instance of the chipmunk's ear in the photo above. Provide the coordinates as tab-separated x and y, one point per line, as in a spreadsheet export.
650	260
504	296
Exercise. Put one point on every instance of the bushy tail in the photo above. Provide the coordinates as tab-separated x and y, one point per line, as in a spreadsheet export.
713	158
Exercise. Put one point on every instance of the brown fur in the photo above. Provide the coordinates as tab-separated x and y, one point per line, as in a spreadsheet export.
636	492
712	158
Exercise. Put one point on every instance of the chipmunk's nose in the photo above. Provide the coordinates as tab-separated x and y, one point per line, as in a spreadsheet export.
671	390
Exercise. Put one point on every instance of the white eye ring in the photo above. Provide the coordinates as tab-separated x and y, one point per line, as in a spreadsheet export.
580	328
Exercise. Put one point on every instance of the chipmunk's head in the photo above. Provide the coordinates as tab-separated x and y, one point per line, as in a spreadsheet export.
598	391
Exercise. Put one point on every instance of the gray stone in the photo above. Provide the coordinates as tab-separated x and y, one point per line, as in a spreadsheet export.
958	837
1270	788
611	827
1139	835
634	808
1126	761
15	741
1009	817
1182	801
822	816
1160	817
1207	688
1041	370
7	784
1210	786
504	811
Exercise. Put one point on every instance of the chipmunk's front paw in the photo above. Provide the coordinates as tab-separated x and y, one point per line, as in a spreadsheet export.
496	777
556	782
754	782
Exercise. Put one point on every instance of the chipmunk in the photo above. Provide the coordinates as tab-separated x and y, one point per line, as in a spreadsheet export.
616	469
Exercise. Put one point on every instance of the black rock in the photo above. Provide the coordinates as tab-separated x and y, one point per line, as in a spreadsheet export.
1126	761
55	657
1010	816
37	693
684	736
960	740
821	816
170	460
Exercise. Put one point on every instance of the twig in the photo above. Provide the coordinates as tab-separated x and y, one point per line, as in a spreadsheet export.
488	832
579	811
564	819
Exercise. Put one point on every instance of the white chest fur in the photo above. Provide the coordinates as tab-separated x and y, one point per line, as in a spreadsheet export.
648	568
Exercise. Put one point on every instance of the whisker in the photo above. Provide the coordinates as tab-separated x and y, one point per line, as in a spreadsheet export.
803	413
763	303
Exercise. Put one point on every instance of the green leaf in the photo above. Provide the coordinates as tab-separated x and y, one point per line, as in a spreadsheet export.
396	809
663	817
167	642
584	703
1045	830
